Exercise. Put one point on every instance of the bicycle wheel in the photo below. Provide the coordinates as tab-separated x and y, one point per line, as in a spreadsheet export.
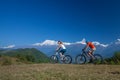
80	59
67	59
53	59
98	59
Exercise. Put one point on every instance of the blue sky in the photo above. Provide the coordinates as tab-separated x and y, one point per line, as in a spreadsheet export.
24	22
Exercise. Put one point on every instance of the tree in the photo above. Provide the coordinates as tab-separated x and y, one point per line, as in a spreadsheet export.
30	58
115	59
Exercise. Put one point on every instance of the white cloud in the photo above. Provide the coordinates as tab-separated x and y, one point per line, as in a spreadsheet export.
67	43
50	42
118	41
78	42
53	42
81	42
7	47
46	42
98	43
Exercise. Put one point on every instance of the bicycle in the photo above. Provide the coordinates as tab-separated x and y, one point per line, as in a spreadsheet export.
84	57
67	59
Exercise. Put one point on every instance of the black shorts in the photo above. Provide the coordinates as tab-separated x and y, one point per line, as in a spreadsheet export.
62	51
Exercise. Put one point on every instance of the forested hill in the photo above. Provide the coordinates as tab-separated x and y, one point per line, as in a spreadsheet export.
27	54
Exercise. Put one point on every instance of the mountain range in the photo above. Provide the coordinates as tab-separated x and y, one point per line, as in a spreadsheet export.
106	50
49	47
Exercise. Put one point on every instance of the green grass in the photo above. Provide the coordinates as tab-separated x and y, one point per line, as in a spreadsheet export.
59	72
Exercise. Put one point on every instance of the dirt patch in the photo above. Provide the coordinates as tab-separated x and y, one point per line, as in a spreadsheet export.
115	72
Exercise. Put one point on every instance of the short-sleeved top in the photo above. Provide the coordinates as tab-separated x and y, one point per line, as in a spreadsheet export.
91	45
62	46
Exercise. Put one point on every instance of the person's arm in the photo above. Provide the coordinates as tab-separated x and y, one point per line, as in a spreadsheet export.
85	47
58	47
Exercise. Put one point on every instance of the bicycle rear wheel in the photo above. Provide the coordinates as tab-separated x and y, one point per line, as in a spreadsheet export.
67	59
53	59
98	59
80	59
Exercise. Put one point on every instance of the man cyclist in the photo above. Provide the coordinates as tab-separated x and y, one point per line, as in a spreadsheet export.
91	51
61	49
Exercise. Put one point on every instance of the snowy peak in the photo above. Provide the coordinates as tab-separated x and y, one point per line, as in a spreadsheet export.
81	42
99	44
117	41
46	42
8	47
53	42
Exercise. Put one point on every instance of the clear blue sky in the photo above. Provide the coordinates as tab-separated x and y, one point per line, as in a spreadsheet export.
25	22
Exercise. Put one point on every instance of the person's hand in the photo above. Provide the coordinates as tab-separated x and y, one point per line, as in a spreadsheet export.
56	50
83	50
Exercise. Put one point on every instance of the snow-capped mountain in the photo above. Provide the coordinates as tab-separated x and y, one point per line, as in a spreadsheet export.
49	47
112	48
53	42
74	48
8	47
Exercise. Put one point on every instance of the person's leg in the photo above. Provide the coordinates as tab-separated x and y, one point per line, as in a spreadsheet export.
62	54
91	55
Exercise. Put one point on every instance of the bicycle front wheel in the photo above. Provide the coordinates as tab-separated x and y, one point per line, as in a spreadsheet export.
80	59
67	59
53	59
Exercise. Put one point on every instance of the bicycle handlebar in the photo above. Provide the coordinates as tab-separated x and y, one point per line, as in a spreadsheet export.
83	50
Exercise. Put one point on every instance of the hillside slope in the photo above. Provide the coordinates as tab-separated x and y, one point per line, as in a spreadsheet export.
29	52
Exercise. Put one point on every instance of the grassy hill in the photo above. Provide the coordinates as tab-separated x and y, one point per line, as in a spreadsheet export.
27	54
59	72
50	71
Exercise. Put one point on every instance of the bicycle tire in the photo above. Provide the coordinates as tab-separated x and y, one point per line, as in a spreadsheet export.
80	59
53	59
67	59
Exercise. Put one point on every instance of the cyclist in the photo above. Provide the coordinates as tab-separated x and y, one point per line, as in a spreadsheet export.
91	51
61	49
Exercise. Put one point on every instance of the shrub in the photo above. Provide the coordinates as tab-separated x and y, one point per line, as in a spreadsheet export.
6	60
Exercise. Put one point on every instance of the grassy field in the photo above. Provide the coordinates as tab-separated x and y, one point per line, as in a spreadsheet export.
60	72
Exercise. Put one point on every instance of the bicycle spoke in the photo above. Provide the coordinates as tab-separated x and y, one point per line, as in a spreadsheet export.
80	59
67	59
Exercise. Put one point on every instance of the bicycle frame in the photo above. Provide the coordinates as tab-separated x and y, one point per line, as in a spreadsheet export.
85	53
57	54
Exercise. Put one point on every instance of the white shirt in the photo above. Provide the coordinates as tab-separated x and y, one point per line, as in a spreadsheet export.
62	46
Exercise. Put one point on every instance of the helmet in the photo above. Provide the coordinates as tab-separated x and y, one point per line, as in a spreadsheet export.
60	42
86	41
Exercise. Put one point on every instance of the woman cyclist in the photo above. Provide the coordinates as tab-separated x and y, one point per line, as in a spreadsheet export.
61	49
